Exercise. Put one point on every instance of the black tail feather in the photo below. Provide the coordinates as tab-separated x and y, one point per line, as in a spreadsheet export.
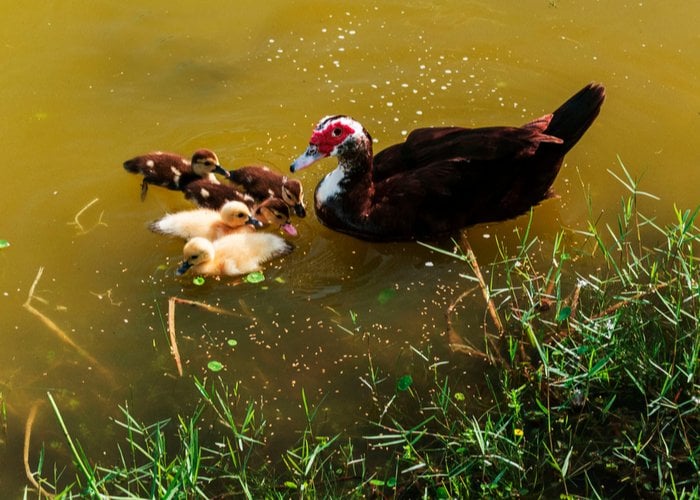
572	119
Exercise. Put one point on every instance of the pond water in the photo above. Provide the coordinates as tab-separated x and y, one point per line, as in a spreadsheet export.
84	88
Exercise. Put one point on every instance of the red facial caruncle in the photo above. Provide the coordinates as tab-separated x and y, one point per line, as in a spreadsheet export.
330	136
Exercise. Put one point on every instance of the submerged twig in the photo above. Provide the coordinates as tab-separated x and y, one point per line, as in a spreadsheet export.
455	341
205	306
171	330
63	336
471	257
76	221
27	441
622	303
171	323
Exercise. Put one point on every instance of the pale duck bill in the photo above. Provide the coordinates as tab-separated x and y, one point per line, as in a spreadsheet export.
310	156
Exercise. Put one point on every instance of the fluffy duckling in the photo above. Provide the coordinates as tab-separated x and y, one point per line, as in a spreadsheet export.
207	194
173	171
270	211
275	211
231	255
262	183
233	217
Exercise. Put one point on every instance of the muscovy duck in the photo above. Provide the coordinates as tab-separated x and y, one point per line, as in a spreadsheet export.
444	178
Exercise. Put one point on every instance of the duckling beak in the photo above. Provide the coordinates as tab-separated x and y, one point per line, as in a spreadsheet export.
254	222
299	210
184	266
289	229
310	156
222	171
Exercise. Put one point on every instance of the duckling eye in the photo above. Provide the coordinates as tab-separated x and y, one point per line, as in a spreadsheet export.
337	131
240	215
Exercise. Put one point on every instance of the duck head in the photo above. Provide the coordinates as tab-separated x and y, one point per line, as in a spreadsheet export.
237	214
337	135
204	162
293	195
196	251
276	211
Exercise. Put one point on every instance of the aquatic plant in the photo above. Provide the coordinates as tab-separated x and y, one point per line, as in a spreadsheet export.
591	349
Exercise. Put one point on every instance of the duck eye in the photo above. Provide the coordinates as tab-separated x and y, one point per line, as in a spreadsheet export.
240	215
337	131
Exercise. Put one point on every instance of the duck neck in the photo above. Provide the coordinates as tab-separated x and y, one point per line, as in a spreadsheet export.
356	162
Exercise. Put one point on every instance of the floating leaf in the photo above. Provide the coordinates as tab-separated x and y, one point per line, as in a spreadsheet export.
376	482
232	342
290	485
199	280
404	382
459	396
391	482
442	492
386	295
4	244
564	313
215	366
254	277
280	279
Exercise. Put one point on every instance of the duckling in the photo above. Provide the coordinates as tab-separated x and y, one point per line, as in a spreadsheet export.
231	255
173	171
262	183
270	211
207	194
275	211
234	217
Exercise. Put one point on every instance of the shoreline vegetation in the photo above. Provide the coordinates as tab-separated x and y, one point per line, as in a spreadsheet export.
591	354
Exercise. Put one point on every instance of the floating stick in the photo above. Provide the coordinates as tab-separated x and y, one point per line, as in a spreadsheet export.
76	221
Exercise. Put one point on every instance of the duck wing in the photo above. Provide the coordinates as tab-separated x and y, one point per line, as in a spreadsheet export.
430	146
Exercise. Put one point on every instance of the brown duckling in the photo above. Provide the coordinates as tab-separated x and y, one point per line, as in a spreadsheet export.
233	217
173	171
206	194
232	255
262	183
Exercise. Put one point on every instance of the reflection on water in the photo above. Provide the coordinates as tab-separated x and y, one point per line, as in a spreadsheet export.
86	88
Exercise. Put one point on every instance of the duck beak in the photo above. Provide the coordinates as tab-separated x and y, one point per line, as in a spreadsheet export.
299	210
310	156
222	171
184	266
254	222
289	229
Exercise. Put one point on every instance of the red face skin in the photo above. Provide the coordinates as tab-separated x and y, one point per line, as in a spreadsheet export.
333	134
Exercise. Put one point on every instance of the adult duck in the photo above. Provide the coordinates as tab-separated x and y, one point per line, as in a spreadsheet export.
445	178
173	171
233	217
273	210
232	255
262	183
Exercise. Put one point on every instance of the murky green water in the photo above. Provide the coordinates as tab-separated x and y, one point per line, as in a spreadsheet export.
84	87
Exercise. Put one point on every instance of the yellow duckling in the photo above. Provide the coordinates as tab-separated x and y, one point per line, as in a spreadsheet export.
232	255
233	217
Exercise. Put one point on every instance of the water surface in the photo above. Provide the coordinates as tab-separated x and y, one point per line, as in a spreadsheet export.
86	87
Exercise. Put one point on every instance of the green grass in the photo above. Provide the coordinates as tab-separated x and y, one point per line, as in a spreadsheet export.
593	390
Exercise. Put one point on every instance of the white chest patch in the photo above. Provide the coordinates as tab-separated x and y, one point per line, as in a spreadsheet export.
330	186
